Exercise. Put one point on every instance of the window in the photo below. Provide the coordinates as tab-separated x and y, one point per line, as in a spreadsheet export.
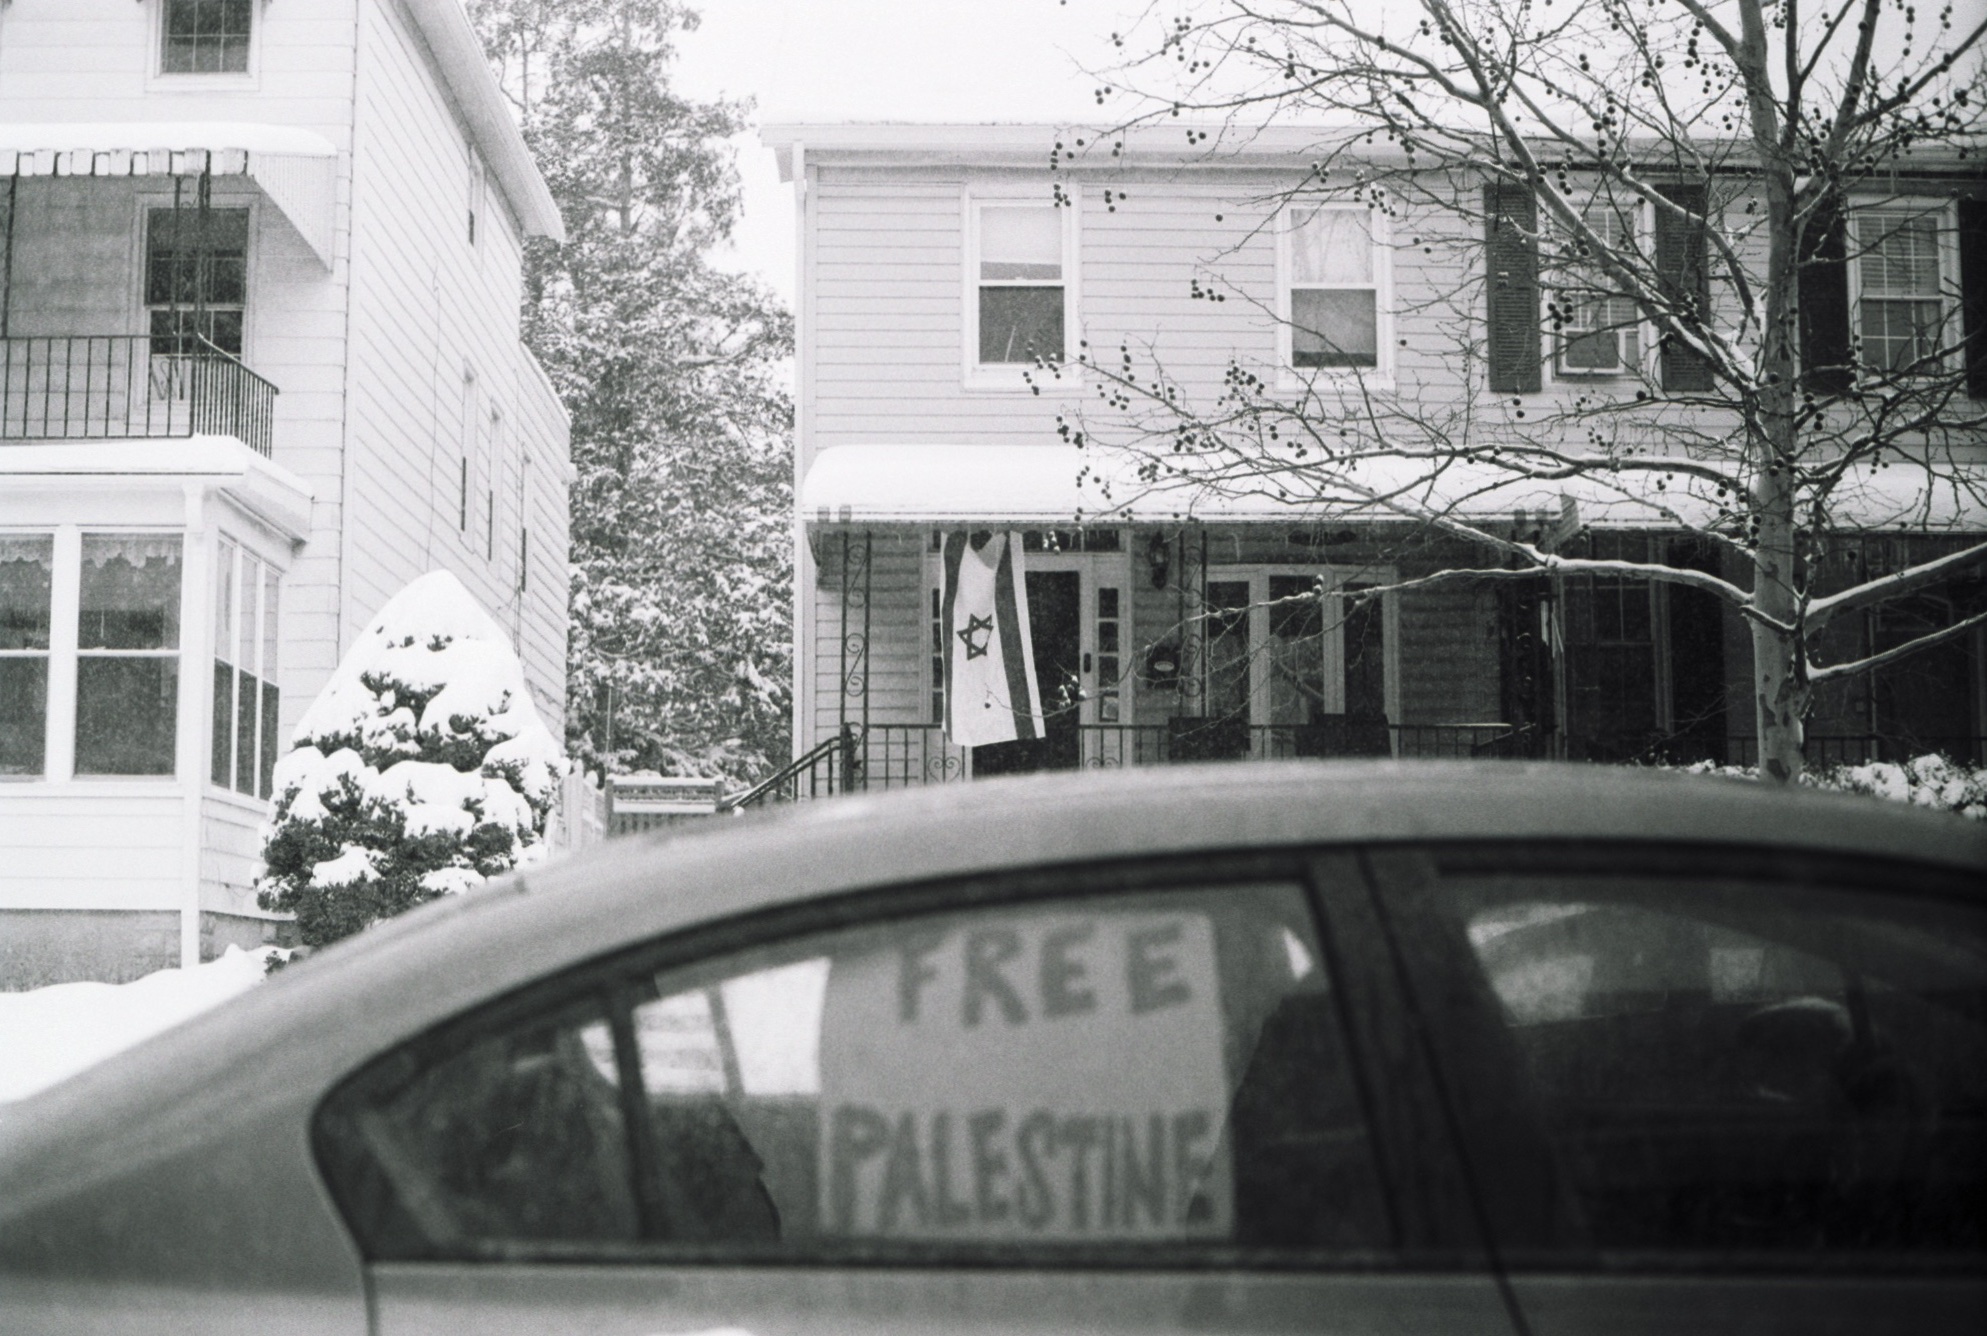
127	654
206	36
247	702
27	571
1756	1069
196	278
476	188
1600	332
1019	292
1096	1077
1901	300
1333	270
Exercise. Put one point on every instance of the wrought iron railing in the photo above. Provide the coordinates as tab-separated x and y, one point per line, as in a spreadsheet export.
891	756
112	386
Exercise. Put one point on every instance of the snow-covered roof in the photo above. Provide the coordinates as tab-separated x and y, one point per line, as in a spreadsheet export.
295	168
1052	484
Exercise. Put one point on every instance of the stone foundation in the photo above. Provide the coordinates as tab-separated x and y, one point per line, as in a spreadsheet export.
39	947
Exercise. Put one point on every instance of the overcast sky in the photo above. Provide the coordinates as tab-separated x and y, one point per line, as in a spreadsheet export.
876	60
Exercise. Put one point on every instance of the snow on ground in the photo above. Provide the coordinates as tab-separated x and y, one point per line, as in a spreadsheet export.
48	1034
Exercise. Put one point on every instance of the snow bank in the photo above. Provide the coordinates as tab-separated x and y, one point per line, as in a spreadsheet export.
48	1034
1925	781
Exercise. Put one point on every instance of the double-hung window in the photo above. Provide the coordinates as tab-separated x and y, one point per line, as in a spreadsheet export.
246	700
1901	302
27	577
1020	293
1600	330
206	36
127	654
1334	289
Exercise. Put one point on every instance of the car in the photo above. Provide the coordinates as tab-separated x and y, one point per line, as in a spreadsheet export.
1494	1048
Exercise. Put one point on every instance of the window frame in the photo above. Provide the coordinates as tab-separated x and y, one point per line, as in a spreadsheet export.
1643	365
1380	232
1016	376
160	79
1945	215
233	559
150	199
46	654
1317	881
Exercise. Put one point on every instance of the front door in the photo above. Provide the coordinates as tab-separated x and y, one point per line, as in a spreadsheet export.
1055	623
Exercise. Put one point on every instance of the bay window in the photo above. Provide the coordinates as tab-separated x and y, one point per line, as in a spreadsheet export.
127	654
27	568
246	699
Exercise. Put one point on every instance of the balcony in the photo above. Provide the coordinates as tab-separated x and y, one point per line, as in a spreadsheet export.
100	387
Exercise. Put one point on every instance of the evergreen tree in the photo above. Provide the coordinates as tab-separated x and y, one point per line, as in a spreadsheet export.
421	769
673	373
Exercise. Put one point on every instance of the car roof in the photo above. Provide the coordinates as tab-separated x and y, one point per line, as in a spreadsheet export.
315	1023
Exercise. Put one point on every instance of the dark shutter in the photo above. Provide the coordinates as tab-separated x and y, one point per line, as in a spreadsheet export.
1823	292
1512	288
1686	280
1973	292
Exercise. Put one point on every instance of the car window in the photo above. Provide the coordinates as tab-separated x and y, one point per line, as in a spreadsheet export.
1143	1070
1747	1068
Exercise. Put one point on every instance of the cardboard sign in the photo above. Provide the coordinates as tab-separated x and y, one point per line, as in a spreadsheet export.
1034	1076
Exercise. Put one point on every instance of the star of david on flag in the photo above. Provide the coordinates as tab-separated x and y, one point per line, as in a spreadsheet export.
990	689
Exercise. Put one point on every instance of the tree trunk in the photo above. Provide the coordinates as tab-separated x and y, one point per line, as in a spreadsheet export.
1780	685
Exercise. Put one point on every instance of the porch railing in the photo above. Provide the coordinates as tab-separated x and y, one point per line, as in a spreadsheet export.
893	756
113	386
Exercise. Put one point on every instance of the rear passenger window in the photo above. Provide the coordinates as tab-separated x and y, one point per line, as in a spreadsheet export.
1748	1069
1142	1071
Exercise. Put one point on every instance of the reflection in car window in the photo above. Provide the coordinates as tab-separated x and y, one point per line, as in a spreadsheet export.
1143	1069
1748	1069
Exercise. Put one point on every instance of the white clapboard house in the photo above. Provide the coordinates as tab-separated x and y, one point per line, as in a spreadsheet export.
259	368
937	262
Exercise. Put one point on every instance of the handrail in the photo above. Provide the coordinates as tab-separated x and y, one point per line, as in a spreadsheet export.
791	771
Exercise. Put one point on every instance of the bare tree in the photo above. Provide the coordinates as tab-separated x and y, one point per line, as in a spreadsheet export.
1679	191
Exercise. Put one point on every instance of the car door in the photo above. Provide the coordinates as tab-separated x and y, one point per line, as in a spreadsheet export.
1114	1099
1759	1081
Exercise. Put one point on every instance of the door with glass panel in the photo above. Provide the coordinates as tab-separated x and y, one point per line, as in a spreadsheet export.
1294	665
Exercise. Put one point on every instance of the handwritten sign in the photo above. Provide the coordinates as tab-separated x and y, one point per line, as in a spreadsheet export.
1036	1076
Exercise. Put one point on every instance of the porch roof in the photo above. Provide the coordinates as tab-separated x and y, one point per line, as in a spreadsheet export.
1045	485
294	167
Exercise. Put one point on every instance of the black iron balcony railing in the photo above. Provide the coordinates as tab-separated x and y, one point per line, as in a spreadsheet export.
112	386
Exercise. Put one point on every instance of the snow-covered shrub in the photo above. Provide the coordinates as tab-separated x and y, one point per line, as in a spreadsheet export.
1926	781
420	770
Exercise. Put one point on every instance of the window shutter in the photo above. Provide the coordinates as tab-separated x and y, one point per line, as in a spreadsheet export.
1512	288
1822	289
1973	292
1686	280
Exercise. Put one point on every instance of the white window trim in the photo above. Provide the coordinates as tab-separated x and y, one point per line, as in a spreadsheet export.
158	80
1290	376
1015	377
225	545
64	655
1947	214
1335	578
1645	367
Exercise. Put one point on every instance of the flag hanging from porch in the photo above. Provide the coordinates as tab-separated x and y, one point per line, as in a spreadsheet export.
990	690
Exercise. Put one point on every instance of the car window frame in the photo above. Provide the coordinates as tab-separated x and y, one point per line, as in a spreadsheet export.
1445	982
1420	1242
